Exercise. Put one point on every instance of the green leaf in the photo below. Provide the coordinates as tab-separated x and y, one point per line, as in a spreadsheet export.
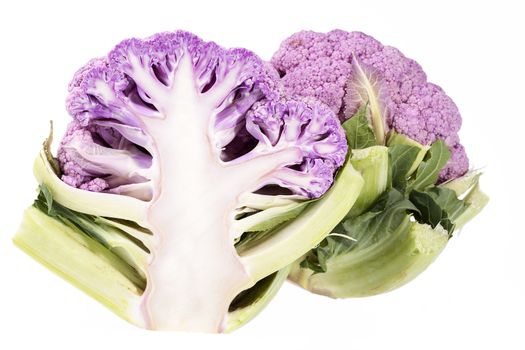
48	197
47	151
358	233
358	133
272	217
384	218
476	201
311	262
398	139
366	87
402	157
430	212
250	239
448	201
333	245
473	199
373	164
428	171
124	246
463	184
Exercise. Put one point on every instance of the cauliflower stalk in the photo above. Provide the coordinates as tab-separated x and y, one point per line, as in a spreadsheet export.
177	180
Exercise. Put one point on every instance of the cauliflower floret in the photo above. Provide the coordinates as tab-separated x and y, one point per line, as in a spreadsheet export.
321	65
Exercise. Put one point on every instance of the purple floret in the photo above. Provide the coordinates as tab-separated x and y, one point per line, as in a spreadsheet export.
112	100
98	158
95	185
83	73
320	65
427	115
72	172
312	127
456	166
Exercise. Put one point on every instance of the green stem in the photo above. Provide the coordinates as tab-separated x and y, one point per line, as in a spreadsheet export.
290	241
81	261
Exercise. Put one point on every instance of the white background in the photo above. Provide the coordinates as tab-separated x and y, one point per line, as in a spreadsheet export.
472	296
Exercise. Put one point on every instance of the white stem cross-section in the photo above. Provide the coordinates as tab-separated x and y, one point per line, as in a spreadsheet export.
195	272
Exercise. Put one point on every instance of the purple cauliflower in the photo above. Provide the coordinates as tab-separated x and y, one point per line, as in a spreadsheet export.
327	67
208	143
194	179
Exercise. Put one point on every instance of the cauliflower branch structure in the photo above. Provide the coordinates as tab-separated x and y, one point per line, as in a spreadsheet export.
187	151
